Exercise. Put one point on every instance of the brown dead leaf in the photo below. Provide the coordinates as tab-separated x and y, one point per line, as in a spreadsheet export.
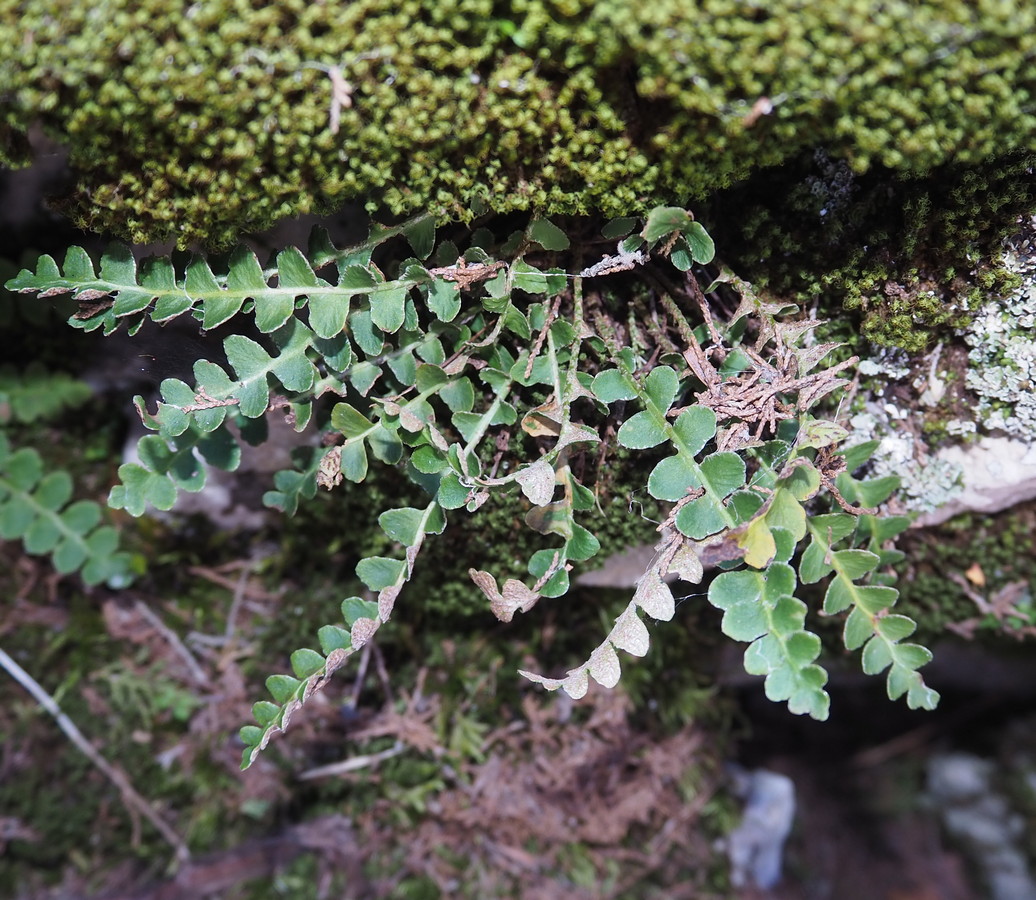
329	472
516	595
976	576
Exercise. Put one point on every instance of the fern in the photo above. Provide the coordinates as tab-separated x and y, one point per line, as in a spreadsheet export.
760	518
36	508
478	376
36	503
362	618
121	292
34	393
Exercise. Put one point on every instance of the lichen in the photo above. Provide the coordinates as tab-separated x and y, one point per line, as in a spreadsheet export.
1002	358
905	404
926	482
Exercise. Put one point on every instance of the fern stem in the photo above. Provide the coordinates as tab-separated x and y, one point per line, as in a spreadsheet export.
487	417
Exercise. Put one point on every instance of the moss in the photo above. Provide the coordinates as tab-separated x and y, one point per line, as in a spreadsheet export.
495	538
200	122
47	769
935	561
913	257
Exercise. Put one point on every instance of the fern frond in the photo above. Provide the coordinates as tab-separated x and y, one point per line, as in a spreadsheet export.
311	668
34	393
673	556
37	509
120	290
871	625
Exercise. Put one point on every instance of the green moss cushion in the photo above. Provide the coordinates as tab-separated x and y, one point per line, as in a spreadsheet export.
199	121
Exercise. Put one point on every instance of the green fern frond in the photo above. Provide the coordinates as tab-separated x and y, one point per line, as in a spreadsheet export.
362	618
36	507
121	291
34	393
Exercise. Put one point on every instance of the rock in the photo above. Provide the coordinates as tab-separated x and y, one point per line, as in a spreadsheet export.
997	473
981	821
756	846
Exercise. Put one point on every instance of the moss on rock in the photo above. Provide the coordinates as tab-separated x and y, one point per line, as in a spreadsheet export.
941	564
913	256
199	122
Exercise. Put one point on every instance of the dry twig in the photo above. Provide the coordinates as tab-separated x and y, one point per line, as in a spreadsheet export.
197	673
134	801
352	764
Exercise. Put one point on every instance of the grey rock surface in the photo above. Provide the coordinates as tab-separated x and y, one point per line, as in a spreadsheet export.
756	846
980	820
996	473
